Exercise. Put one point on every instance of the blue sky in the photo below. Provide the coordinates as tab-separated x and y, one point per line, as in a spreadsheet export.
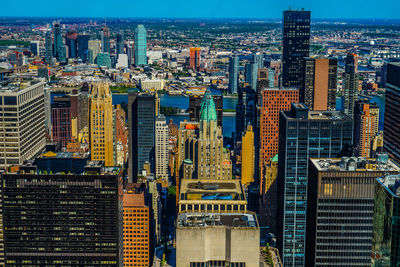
380	9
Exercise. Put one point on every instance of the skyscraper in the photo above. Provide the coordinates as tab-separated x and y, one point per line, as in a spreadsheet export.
350	86
303	134
72	44
340	205
83	46
100	124
103	60
295	46
105	40
23	131
318	91
251	72
58	47
140	45
233	74
35	48
141	132
161	147
120	43
386	234
195	107
365	128
61	120
247	157
194	59
48	48
94	47
391	124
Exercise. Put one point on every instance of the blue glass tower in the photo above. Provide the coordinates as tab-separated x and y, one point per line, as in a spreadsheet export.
303	134
83	46
233	74
140	46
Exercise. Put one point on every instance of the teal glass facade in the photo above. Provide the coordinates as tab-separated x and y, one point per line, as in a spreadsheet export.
140	46
386	227
104	60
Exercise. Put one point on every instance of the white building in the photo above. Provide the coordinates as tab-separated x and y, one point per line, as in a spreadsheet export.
122	61
162	153
155	85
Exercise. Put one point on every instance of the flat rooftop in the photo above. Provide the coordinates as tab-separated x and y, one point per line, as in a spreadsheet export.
355	164
391	184
198	219
211	190
17	86
64	155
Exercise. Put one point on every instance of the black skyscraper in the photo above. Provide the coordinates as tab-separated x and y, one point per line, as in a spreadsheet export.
83	46
296	46
141	131
120	44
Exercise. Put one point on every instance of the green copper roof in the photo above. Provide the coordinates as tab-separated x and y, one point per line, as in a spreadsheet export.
275	158
207	110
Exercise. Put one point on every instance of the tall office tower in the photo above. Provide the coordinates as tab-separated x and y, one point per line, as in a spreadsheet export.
71	40
61	120
268	192
195	107
391	123
194	54
262	80
83	225
83	46
157	104
58	47
205	154
23	125
251	71
233	74
162	152
318	91
131	54
364	128
100	124
140	45
48	45
105	40
35	48
121	135
303	134
248	156
141	132
120	43
340	209
350	84
386	234
136	216
103	60
95	47
258	59
295	46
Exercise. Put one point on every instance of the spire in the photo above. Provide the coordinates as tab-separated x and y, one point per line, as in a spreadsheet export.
207	109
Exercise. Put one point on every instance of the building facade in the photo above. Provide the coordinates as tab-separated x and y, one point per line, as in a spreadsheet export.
140	45
61	120
194	57
365	128
161	147
233	74
247	157
350	86
195	107
105	40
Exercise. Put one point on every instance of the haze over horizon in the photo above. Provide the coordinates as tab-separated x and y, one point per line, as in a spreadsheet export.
252	9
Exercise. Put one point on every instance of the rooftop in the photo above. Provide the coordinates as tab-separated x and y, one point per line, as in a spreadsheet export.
64	155
211	190
198	219
17	86
382	163
391	184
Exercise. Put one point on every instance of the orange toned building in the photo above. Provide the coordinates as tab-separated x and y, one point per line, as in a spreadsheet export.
320	83
195	57
365	129
136	224
274	101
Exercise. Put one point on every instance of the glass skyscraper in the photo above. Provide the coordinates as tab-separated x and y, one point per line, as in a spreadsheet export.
140	46
59	47
120	43
303	134
48	48
105	40
350	86
295	46
83	46
233	74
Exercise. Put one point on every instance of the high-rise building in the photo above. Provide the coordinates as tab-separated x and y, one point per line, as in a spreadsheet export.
386	234
247	157
23	125
35	48
318	91
100	124
83	46
340	205
136	226
233	74
120	44
61	120
80	226
391	124
59	49
194	59
295	46
105	40
195	107
141	132
48	43
269	195
251	71
140	45
103	60
162	152
350	84
71	40
95	47
303	134
258	59
365	128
